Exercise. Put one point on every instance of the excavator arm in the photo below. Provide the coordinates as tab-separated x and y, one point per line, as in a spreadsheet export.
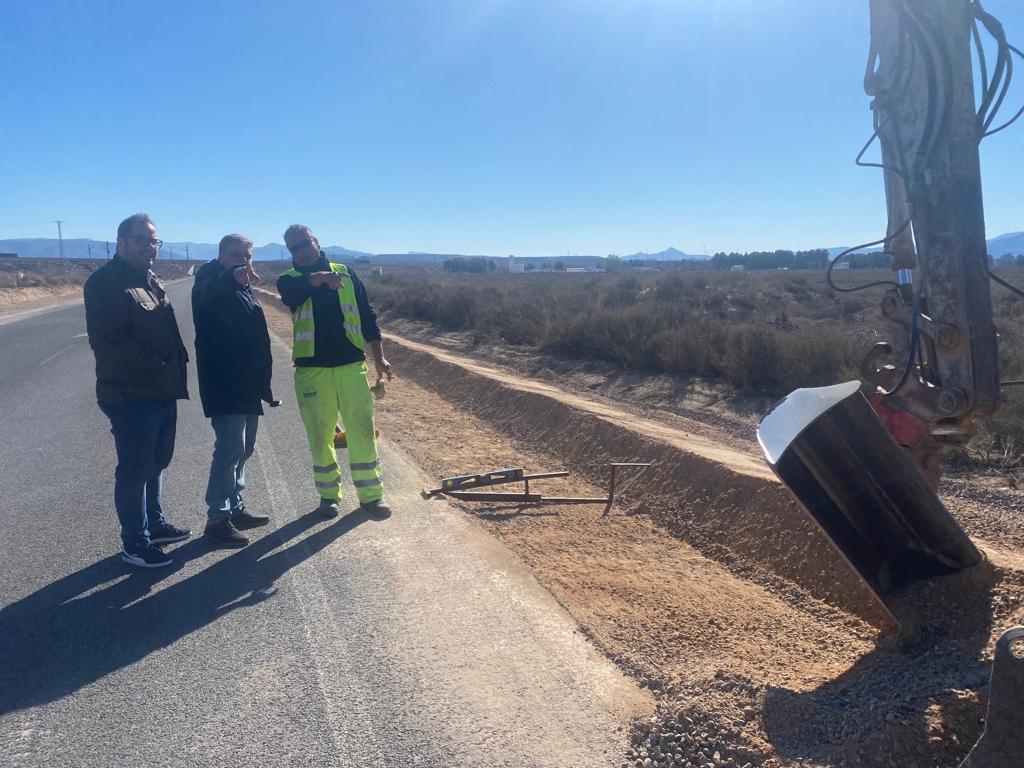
870	482
928	123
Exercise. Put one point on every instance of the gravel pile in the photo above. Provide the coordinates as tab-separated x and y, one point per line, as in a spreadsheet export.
704	725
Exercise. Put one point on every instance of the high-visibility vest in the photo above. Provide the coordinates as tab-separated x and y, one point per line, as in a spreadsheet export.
303	330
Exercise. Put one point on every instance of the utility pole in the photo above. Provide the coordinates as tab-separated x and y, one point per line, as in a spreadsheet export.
186	253
60	236
89	246
108	250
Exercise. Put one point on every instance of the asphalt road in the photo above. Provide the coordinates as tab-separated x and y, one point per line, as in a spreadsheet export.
415	641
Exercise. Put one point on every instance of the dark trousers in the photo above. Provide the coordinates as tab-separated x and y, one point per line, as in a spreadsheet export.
144	438
234	443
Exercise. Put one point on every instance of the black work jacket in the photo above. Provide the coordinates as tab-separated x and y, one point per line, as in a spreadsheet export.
232	344
134	335
331	345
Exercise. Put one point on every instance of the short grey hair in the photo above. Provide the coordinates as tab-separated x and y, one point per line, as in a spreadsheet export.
228	240
296	229
127	227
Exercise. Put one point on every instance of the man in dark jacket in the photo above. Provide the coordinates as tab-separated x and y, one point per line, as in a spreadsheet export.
233	356
140	376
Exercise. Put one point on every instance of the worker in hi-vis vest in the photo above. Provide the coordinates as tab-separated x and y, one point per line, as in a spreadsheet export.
333	324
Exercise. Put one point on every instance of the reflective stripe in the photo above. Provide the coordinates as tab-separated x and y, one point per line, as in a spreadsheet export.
304	336
330	483
304	314
349	308
361	467
353	329
326	468
366	483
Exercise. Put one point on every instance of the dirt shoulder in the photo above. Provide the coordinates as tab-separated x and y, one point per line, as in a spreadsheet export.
707	583
36	297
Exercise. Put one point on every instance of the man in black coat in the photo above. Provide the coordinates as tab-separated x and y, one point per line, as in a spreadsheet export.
234	363
140	376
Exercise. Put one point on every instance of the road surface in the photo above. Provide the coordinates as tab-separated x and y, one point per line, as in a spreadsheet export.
415	641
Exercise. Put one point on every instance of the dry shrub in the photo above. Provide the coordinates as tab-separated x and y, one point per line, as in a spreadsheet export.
456	310
686	349
819	355
761	332
751	359
622	293
625	337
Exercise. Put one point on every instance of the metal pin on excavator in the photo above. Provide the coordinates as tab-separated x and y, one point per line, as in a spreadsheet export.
866	468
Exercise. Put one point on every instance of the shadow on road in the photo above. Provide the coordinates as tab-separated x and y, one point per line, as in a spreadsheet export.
907	702
501	512
98	620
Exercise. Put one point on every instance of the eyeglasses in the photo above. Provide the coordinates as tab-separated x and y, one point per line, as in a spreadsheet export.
301	245
144	240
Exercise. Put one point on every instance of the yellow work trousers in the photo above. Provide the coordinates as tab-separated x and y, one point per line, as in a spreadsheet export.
324	394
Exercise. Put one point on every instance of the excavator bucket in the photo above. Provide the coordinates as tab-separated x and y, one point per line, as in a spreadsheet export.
833	452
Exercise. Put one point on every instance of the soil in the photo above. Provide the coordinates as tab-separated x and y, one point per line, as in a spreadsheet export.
706	581
35	297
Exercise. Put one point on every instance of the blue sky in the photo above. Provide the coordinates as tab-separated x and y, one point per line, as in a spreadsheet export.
474	126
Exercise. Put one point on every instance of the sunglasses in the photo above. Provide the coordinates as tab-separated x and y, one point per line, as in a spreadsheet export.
145	240
301	245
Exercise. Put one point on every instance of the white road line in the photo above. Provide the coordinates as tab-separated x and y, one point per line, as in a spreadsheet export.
26	314
54	356
354	736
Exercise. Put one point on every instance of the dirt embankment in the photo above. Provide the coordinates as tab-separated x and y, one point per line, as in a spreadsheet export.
27	284
707	583
35	297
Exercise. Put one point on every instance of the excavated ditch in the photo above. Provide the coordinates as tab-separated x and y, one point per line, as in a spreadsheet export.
715	590
913	698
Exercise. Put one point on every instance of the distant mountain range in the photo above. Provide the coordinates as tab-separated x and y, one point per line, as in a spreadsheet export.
78	248
669	254
1010	244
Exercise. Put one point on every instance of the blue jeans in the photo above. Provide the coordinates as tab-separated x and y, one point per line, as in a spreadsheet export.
144	440
234	443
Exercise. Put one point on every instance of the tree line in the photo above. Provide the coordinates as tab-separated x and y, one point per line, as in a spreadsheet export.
781	259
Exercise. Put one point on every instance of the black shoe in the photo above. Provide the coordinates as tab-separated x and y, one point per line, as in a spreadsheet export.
377	508
243	520
146	557
165	533
328	507
224	534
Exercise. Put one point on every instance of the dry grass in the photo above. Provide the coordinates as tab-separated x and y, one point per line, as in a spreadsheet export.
762	332
52	273
765	332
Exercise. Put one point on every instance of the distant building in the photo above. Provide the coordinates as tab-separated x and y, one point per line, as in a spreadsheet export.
841	266
736	268
514	266
575	269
